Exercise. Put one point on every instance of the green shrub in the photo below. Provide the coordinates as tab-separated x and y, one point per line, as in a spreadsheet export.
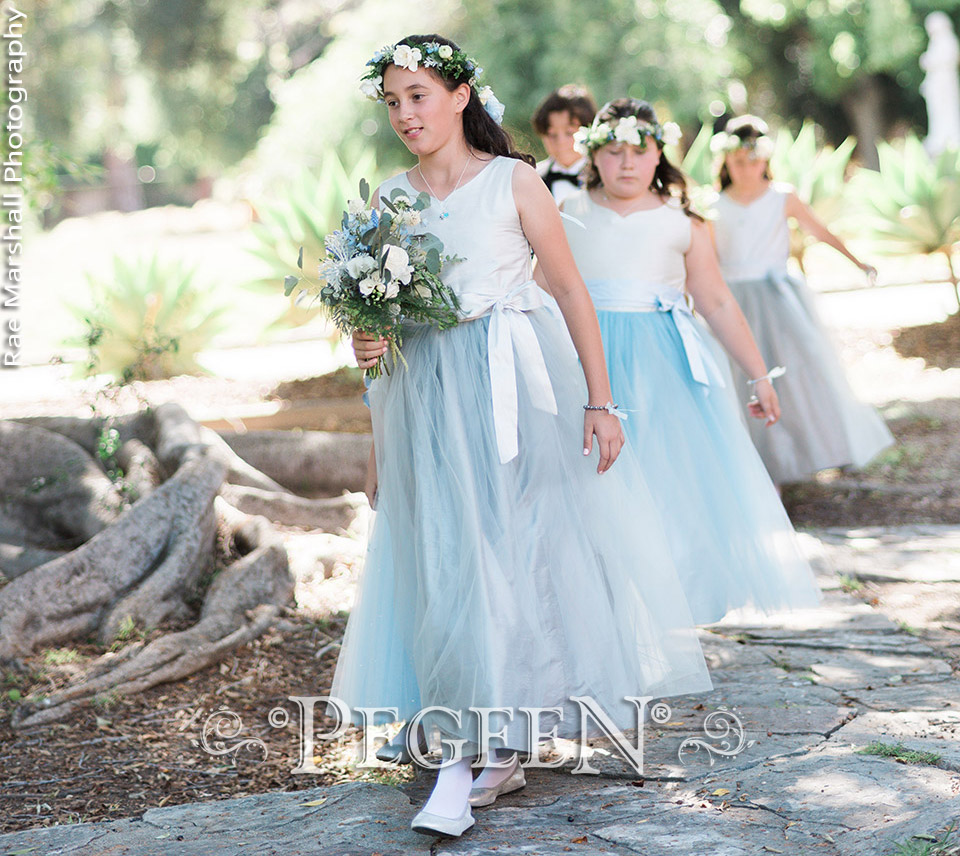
912	205
817	174
697	165
148	320
311	209
698	161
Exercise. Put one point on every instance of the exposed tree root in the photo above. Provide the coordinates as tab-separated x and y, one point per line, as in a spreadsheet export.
85	555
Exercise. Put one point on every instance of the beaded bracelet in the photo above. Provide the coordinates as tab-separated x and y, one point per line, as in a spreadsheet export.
612	409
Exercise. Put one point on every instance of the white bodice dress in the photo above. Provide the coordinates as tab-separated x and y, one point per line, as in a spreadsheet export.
503	571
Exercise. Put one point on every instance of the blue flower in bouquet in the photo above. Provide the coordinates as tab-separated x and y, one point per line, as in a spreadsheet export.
380	270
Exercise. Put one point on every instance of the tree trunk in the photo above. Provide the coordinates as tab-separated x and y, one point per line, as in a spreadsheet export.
864	108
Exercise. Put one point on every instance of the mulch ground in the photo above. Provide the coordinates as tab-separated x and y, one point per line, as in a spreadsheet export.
126	755
937	344
916	481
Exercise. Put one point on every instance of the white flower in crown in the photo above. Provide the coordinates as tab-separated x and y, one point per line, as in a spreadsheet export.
491	104
580	138
671	134
397	262
628	130
589	137
407	57
372	88
764	147
724	142
445	51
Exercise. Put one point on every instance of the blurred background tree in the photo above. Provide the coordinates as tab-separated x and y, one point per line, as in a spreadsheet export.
640	48
141	103
850	65
164	92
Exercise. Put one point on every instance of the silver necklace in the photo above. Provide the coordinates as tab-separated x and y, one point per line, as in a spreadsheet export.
440	202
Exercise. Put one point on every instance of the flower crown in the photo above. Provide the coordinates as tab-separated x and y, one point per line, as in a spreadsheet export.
760	146
449	62
628	129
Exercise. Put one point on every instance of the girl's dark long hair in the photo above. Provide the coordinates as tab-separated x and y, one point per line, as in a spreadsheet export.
746	128
668	181
479	129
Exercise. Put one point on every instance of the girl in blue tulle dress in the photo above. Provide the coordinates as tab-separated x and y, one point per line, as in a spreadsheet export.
647	260
509	566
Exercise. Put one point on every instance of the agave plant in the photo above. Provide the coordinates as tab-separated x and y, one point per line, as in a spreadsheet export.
312	208
698	161
817	174
148	320
912	205
698	166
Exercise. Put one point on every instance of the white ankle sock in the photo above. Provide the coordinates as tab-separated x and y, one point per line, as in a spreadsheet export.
490	777
449	795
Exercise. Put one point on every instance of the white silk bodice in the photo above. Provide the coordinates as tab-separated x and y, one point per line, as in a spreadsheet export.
628	262
493	278
637	263
483	228
753	240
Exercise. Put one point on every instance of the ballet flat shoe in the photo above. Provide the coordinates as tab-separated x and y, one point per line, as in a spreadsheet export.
436	824
397	753
487	796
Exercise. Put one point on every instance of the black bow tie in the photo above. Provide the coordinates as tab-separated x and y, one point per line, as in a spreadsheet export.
553	175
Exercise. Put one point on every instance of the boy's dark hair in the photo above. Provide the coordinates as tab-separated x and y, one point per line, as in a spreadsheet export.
479	129
668	181
571	98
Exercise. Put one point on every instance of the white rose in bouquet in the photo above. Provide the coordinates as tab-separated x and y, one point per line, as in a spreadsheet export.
397	262
369	285
360	265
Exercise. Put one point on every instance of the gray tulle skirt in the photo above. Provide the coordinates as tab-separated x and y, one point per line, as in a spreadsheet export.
822	424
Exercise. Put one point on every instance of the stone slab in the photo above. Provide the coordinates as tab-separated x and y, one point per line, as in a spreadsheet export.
892	554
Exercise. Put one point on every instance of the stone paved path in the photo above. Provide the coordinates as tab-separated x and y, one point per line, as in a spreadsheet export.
809	689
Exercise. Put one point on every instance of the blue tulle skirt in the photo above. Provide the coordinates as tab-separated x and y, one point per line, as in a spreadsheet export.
730	538
510	585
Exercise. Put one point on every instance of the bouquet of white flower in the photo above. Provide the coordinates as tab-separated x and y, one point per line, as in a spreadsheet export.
380	270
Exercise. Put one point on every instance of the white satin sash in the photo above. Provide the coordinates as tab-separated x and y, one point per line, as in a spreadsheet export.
511	331
702	364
